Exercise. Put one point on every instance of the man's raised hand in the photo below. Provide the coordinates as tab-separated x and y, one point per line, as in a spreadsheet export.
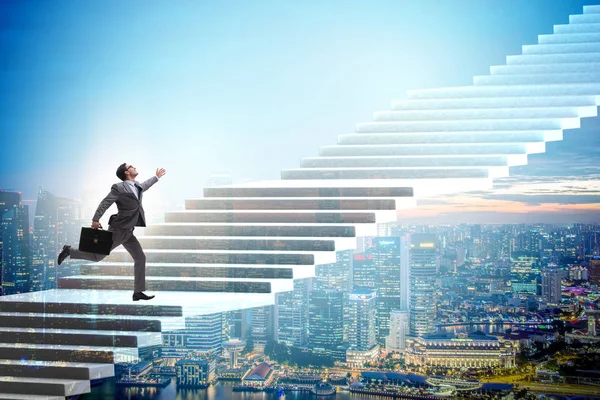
160	172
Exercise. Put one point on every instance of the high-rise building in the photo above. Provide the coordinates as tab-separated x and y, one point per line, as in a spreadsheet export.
396	340
262	326
326	318
404	271
422	284
386	258
8	200
57	222
551	287
363	270
594	271
337	276
202	335
363	335
16	251
291	314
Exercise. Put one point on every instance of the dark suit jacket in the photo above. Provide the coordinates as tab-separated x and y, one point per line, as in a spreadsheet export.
130	211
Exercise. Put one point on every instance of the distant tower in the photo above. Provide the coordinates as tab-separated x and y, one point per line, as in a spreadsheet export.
422	284
396	340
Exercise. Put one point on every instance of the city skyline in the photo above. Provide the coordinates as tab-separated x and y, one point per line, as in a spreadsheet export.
217	114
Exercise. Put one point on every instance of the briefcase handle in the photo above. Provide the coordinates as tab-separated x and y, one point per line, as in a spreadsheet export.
96	235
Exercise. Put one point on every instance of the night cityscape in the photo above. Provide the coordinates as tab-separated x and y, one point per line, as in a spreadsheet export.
445	246
475	304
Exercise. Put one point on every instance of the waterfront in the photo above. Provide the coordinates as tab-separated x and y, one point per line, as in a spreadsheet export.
219	391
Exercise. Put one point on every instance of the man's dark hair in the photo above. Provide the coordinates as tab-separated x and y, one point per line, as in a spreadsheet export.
121	171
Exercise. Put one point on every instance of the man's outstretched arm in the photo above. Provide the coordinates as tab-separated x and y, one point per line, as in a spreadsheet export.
105	204
147	183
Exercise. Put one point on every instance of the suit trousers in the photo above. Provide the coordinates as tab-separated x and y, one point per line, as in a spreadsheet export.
133	247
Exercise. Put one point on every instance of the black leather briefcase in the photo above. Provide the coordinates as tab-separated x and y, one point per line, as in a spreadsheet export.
96	241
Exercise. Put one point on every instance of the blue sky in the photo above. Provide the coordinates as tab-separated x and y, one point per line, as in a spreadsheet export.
244	87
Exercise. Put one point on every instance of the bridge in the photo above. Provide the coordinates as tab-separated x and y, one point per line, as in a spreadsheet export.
239	245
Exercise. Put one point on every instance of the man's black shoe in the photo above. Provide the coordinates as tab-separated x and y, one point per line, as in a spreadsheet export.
141	296
64	254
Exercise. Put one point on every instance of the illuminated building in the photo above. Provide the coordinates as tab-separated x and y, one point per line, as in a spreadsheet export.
422	284
474	350
194	372
362	337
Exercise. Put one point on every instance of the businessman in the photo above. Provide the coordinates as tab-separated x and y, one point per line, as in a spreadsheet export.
128	196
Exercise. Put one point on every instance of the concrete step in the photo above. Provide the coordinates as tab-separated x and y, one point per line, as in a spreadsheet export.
217	257
500	102
577	28
39	386
593	9
65	302
314	192
184	270
432	149
445	137
393	173
121	321
153	283
81	322
290	204
56	369
537	79
414	161
587	18
575	58
562	68
203	229
574	89
62	353
569	38
479	114
566	48
169	307
14	396
468	125
79	337
271	217
192	243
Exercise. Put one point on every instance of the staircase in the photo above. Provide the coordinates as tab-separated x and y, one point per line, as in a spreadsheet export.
239	245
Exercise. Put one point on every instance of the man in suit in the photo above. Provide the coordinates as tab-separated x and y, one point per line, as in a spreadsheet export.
128	196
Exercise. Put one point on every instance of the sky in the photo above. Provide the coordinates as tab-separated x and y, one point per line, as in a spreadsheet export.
250	87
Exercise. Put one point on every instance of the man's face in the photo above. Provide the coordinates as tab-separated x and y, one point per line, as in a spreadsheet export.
131	171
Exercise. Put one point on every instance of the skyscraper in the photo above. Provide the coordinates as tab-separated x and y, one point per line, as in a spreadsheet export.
363	335
399	329
363	270
16	252
326	318
43	271
422	284
337	276
262	326
594	271
551	287
202	335
404	271
386	258
8	200
291	314
57	221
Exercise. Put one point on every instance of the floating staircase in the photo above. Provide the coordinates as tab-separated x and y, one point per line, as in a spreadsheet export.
239	245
